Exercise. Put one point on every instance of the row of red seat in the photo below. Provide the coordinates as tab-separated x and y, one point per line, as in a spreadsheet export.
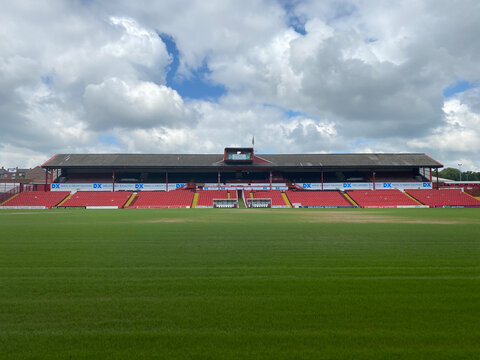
184	198
206	197
162	199
443	197
381	198
98	198
274	195
317	198
46	199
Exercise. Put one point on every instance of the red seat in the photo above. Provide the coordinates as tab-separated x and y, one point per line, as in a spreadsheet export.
38	198
97	198
206	197
381	198
317	198
443	197
274	195
162	199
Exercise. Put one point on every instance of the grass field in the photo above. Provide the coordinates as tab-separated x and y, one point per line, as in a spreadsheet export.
240	284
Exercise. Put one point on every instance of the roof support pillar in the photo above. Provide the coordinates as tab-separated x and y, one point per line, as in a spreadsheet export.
46	180
166	180
430	174
436	171
271	178
322	179
218	173
113	180
373	179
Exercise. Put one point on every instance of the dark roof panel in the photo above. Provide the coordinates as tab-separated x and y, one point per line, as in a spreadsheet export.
216	160
353	160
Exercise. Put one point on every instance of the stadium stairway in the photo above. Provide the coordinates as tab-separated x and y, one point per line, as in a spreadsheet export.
195	200
130	200
61	202
285	198
411	197
10	198
350	199
476	198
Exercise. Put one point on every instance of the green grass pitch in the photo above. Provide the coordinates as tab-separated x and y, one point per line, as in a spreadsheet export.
240	284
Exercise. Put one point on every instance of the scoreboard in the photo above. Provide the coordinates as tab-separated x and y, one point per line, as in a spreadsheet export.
241	157
234	155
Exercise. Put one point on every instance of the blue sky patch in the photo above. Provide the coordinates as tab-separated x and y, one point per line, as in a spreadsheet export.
47	80
293	20
108	139
198	86
458	87
289	113
360	142
292	113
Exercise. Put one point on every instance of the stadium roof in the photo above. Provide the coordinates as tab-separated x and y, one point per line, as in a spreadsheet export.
214	161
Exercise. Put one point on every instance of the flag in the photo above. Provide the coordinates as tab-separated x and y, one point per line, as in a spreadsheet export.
253	140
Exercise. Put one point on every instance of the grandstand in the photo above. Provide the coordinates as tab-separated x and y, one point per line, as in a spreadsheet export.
444	197
381	198
221	180
238	168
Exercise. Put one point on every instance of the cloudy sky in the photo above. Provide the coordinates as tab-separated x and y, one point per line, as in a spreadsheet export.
196	76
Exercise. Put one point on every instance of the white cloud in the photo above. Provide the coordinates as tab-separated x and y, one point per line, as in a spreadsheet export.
366	76
115	103
458	139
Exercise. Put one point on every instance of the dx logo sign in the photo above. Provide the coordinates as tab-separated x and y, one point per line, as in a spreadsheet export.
97	186
138	186
347	185
387	185
307	186
56	186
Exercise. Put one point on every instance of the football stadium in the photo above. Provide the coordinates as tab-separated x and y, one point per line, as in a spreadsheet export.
310	256
239	178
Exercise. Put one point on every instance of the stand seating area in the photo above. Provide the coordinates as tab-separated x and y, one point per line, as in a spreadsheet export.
314	198
381	198
97	198
162	199
37	198
444	197
184	198
206	197
275	195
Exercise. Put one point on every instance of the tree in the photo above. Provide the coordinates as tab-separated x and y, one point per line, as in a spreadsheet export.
450	173
454	174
